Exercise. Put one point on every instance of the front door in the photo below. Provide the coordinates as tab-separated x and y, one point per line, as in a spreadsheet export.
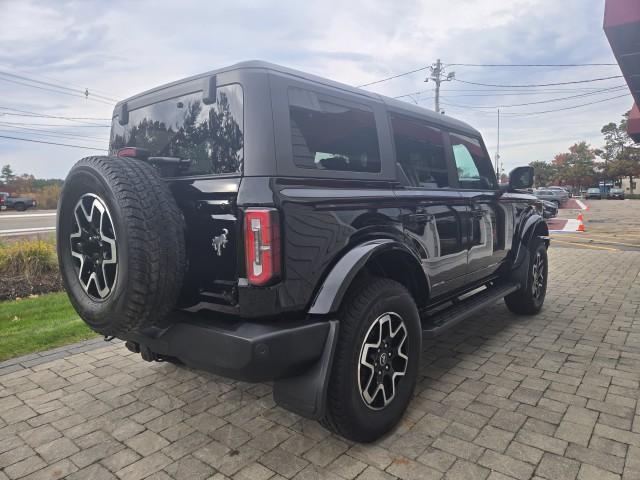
433	214
488	218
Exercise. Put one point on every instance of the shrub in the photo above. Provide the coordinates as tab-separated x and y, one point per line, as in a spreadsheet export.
47	197
31	258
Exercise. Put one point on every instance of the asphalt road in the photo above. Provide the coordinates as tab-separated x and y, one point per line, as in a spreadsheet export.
27	223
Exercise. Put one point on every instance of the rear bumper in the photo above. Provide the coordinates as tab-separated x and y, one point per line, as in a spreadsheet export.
243	350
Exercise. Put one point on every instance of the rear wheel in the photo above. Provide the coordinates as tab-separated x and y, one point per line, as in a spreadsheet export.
376	360
21	207
528	300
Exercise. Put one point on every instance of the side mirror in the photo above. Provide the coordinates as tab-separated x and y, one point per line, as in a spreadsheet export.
521	178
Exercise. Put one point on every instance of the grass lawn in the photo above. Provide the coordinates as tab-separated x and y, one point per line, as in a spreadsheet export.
35	324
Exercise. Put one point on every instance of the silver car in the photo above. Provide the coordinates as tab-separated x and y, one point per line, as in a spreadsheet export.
561	190
550	196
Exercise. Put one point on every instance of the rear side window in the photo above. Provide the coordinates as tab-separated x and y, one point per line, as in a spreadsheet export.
420	152
472	164
211	137
328	135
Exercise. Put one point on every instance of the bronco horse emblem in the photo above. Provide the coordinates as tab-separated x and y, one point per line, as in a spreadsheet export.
220	241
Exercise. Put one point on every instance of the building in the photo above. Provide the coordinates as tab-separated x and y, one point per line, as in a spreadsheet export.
622	27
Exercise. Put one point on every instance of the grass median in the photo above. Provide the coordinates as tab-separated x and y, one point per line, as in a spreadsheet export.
39	323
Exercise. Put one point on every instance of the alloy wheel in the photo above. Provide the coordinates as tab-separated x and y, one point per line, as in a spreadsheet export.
383	360
538	276
93	247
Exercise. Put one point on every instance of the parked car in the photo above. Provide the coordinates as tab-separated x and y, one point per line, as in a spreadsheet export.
593	193
270	225
565	192
550	196
550	209
18	203
616	194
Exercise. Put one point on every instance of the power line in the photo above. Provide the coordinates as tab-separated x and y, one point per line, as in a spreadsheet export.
56	91
491	65
532	64
26	113
54	125
48	133
395	76
526	114
52	143
560	99
540	84
506	93
83	93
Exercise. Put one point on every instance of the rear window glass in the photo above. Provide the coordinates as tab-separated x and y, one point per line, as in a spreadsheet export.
326	135
210	137
420	152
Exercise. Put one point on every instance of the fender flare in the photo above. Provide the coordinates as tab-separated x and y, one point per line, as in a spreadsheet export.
525	236
335	285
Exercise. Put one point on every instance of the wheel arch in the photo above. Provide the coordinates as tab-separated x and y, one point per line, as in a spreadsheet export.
532	227
385	258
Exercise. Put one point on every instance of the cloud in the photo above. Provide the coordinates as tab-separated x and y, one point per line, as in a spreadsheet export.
120	48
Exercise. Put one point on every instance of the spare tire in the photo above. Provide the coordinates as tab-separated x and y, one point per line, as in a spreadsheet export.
121	245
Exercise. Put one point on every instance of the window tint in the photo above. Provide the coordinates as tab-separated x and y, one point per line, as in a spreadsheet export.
420	152
210	136
330	136
473	166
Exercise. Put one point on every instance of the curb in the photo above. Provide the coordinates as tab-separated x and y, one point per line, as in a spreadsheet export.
31	360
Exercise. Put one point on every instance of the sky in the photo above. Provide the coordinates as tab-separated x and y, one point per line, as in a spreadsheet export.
119	48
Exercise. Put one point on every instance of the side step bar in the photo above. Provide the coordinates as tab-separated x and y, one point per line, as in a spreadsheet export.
453	315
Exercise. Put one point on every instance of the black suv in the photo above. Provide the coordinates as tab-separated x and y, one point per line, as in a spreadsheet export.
269	225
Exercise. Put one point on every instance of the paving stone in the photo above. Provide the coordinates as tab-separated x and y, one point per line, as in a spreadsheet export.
574	433
555	467
507	465
144	467
589	472
120	459
146	443
494	438
594	457
281	462
346	467
255	471
543	442
57	450
463	470
189	468
437	459
24	467
93	472
408	469
459	448
58	470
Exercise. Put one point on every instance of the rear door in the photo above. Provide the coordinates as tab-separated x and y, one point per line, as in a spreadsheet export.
487	218
433	213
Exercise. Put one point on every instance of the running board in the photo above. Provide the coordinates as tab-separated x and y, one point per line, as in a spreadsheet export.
453	315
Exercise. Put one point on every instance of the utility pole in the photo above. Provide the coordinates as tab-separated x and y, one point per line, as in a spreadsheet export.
438	76
498	150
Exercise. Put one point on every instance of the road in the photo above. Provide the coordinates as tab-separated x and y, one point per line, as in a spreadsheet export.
27	223
609	225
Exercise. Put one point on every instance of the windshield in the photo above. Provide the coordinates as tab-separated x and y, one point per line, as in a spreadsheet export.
594	190
210	136
616	190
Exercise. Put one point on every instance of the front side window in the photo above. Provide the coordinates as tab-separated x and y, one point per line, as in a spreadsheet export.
326	135
420	152
210	138
472	164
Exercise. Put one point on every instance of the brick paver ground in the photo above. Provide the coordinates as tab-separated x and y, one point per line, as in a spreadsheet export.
553	396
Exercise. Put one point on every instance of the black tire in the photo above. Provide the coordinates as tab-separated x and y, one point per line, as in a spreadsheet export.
21	207
528	300
145	236
348	414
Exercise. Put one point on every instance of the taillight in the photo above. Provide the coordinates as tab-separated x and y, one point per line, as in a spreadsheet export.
262	245
133	152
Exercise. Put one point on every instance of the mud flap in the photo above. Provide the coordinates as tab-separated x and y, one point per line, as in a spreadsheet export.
306	394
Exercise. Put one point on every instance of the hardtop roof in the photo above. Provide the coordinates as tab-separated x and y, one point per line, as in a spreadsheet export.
394	104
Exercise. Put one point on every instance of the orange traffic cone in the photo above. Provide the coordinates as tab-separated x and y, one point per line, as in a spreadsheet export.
581	223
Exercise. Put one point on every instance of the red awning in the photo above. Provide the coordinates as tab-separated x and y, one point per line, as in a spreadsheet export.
622	27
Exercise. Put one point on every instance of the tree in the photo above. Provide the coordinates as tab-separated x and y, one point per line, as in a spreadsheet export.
544	173
7	174
627	164
621	158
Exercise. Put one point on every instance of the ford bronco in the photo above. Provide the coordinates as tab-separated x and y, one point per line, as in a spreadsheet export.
269	225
